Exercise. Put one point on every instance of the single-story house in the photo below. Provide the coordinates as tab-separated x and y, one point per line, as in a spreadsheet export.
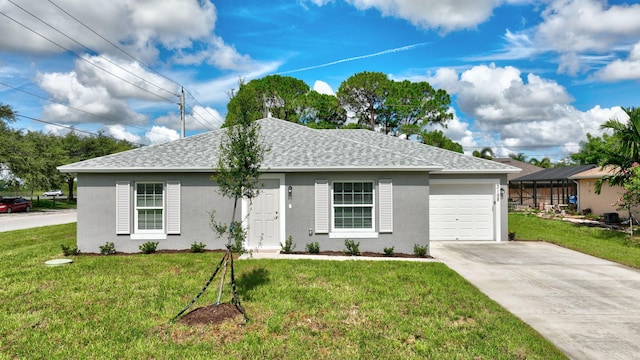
588	200
320	186
546	188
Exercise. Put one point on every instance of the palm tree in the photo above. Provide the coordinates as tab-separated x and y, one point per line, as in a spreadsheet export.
626	149
519	156
544	163
485	153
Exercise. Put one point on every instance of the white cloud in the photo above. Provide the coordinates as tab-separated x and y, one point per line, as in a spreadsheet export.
120	132
434	14
200	118
515	112
323	88
95	103
623	69
161	134
136	25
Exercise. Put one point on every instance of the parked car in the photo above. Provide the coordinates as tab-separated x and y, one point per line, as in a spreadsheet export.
9	205
53	193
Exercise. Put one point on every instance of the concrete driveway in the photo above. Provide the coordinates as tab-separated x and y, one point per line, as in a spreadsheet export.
588	307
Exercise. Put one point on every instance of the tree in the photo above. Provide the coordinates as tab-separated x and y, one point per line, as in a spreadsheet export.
403	106
438	139
544	163
626	145
631	196
414	104
78	148
596	150
364	94
485	153
518	156
321	111
278	95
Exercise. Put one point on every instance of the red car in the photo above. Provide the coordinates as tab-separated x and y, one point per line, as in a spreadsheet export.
9	205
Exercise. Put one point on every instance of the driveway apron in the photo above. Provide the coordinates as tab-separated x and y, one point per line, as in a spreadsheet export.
588	307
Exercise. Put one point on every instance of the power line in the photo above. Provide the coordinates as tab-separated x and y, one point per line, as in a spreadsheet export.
72	128
85	60
113	44
204	107
90	50
77	109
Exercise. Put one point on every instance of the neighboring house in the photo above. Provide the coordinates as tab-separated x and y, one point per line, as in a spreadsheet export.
320	186
526	170
546	188
597	204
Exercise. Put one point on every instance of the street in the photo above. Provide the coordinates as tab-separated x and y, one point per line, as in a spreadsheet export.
18	221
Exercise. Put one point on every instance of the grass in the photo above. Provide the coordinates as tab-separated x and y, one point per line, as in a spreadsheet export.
603	243
118	306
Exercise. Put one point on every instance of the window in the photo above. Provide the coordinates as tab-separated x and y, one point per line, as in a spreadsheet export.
353	205
149	207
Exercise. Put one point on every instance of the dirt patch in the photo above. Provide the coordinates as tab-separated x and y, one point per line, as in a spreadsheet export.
211	314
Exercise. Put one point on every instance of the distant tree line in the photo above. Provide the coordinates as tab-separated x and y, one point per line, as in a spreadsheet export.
30	158
368	100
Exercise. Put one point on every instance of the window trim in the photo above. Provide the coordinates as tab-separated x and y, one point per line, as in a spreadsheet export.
353	232
141	233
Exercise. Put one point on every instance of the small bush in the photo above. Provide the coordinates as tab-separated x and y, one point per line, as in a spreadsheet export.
352	247
388	251
108	248
149	247
512	235
313	247
68	251
197	247
420	250
288	245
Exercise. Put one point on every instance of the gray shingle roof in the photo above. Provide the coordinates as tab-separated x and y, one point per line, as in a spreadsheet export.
294	147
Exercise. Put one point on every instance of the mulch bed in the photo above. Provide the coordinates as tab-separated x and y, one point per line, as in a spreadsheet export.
211	314
364	253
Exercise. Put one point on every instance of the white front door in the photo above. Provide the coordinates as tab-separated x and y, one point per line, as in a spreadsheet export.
264	219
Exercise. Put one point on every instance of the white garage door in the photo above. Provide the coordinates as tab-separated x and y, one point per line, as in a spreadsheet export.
461	212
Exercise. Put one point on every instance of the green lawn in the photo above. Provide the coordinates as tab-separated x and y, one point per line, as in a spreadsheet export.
118	306
603	243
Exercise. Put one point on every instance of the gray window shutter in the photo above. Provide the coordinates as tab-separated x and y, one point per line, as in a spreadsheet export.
322	206
385	190
123	207
173	207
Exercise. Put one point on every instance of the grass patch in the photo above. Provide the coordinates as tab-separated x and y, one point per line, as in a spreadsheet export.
600	242
120	305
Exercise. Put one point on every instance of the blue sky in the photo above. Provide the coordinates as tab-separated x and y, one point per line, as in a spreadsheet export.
525	76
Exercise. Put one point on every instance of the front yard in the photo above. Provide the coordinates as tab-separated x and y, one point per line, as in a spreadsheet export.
118	306
600	242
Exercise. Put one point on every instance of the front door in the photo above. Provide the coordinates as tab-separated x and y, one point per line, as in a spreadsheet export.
264	219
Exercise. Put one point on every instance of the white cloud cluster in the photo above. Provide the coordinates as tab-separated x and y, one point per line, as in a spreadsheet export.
523	111
434	14
585	35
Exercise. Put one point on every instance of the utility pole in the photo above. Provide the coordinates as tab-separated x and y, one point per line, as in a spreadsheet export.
182	116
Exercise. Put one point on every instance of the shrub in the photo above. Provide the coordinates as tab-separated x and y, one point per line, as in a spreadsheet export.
313	247
108	248
512	235
352	247
388	251
288	245
197	247
420	250
149	247
68	251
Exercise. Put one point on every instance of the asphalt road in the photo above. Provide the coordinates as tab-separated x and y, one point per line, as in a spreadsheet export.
19	221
